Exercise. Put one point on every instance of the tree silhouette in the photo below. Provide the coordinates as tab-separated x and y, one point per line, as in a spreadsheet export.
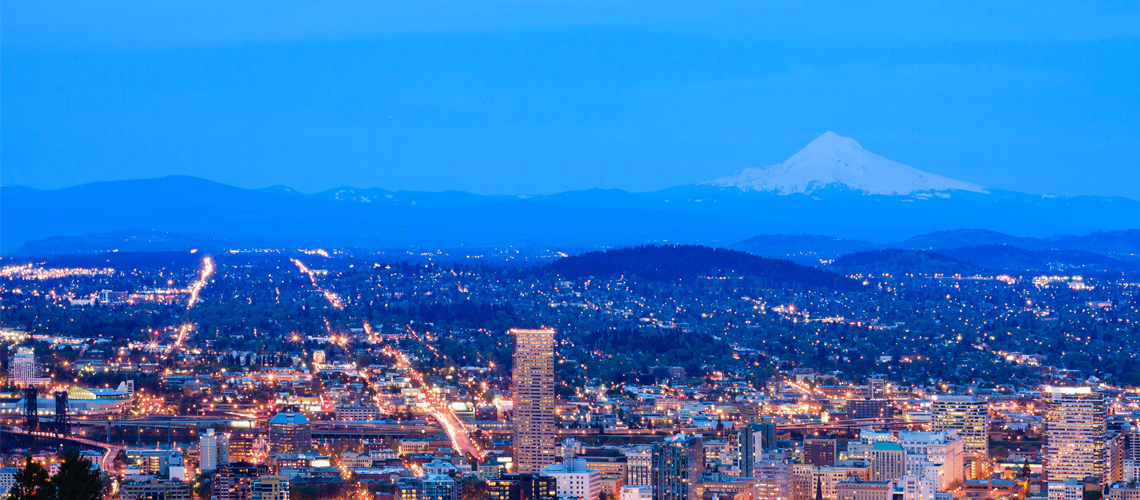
31	482
77	479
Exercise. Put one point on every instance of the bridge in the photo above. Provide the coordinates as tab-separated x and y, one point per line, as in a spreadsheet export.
12	439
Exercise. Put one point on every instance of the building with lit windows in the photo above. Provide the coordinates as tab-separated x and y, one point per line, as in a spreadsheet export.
534	431
1075	434
864	490
888	461
437	487
678	464
290	432
967	416
270	488
522	487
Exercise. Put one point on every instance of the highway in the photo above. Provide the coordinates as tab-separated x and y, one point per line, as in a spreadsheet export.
441	410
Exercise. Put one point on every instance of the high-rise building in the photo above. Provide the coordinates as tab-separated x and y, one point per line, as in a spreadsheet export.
638	466
819	452
1075	434
773	477
968	416
208	451
24	370
678	463
522	487
1133	443
290	432
534	431
888	461
754	439
800	484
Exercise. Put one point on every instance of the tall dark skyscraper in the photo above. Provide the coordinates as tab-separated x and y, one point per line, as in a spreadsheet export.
754	439
534	430
678	463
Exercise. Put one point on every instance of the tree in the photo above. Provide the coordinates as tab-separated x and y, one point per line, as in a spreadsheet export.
31	482
472	488
77	479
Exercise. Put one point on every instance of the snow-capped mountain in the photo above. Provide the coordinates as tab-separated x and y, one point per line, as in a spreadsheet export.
833	161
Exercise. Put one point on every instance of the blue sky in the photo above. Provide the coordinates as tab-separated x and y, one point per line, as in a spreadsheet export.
542	96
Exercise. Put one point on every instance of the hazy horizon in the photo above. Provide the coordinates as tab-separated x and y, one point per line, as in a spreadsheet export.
514	97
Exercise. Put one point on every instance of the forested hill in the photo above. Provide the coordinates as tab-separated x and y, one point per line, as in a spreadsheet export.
900	262
671	263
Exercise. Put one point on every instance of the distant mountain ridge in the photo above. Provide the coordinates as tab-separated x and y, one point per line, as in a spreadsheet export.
832	187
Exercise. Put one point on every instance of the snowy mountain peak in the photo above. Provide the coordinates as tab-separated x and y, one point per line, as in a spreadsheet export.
834	161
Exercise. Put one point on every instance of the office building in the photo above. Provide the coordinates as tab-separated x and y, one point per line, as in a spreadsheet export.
534	431
611	462
270	488
437	487
522	487
7	480
870	408
1066	489
800	484
819	452
24	369
935	455
638	466
751	413
722	486
864	490
636	493
234	481
1131	470
156	489
1133	444
918	488
574	480
573	476
772	478
888	461
876	388
753	440
290	432
210	450
967	416
1075	434
1123	491
678	463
